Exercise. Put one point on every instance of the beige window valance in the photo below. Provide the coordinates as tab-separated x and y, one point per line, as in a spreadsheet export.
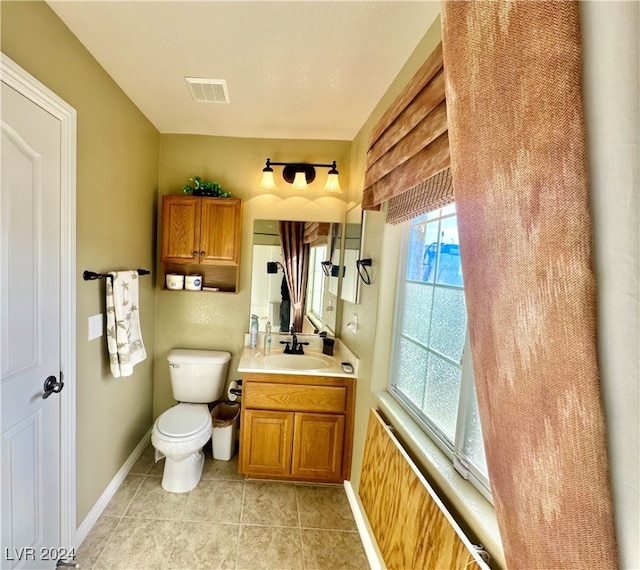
410	143
435	192
315	233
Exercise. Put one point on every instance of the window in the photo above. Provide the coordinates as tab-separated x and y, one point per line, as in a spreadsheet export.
431	370
315	285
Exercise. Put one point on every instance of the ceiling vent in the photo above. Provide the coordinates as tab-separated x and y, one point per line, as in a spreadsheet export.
208	90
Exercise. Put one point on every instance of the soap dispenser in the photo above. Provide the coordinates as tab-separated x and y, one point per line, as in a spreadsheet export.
253	336
267	338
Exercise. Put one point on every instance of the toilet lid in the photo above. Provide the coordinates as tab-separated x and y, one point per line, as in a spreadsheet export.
182	421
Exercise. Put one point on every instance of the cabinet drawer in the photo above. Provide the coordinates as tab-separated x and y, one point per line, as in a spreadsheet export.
295	397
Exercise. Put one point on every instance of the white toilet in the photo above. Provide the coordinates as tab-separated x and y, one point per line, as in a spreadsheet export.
197	378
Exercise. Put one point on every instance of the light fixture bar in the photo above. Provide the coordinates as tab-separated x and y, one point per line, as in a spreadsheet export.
300	175
317	165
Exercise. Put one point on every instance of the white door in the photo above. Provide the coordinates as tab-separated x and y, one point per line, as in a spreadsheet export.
30	336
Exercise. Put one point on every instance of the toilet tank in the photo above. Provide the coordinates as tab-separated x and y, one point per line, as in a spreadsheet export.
198	376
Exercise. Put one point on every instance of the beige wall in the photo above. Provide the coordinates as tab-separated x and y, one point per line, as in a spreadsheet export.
612	113
117	180
219	320
372	343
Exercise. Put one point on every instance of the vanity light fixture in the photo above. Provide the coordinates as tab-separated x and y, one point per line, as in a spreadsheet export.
300	175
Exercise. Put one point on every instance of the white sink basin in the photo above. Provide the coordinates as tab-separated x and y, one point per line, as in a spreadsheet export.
296	362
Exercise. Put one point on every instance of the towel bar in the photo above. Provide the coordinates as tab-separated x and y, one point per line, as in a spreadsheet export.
91	276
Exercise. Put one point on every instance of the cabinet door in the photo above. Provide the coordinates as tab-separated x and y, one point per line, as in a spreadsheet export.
180	229
265	443
220	231
317	446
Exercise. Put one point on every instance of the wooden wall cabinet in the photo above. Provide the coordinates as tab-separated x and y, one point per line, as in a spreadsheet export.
202	235
297	427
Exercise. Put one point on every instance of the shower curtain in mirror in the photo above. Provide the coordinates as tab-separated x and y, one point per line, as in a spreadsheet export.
295	254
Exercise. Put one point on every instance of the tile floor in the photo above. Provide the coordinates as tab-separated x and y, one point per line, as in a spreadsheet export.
225	522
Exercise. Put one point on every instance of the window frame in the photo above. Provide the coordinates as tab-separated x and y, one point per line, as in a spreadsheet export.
313	275
453	451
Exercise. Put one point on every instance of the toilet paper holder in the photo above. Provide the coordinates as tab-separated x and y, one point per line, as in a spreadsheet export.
235	390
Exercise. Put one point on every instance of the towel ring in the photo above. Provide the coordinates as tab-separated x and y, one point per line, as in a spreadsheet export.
361	265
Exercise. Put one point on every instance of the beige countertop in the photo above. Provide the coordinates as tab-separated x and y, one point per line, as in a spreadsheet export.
312	363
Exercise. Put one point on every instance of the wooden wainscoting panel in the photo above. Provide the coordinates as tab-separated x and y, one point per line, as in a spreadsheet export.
412	527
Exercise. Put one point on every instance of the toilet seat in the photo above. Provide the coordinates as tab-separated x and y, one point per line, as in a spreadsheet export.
189	438
184	421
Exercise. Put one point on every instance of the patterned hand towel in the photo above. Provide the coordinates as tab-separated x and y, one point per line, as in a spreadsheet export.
124	338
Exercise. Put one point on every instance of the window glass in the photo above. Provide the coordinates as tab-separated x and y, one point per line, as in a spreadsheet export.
431	373
449	267
473	447
315	285
448	323
416	311
442	394
412	367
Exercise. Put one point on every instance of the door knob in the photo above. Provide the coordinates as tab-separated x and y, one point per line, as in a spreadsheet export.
51	386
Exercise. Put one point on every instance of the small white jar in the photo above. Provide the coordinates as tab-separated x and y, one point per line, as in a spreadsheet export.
175	281
193	282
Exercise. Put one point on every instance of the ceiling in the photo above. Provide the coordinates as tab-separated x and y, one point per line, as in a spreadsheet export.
294	70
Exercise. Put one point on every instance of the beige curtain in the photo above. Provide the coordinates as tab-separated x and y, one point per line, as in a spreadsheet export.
518	161
295	254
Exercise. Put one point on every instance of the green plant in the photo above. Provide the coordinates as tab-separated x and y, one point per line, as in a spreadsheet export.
199	187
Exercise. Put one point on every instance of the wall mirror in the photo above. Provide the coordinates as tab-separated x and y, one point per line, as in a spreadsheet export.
353	231
271	296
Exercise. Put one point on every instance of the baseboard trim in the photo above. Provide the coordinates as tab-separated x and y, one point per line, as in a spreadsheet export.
370	547
94	514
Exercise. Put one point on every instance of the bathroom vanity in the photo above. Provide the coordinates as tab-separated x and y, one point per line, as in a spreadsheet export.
296	417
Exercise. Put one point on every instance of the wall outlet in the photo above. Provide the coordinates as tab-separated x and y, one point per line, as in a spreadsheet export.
95	326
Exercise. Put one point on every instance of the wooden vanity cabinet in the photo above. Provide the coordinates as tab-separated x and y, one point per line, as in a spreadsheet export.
202	235
296	427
